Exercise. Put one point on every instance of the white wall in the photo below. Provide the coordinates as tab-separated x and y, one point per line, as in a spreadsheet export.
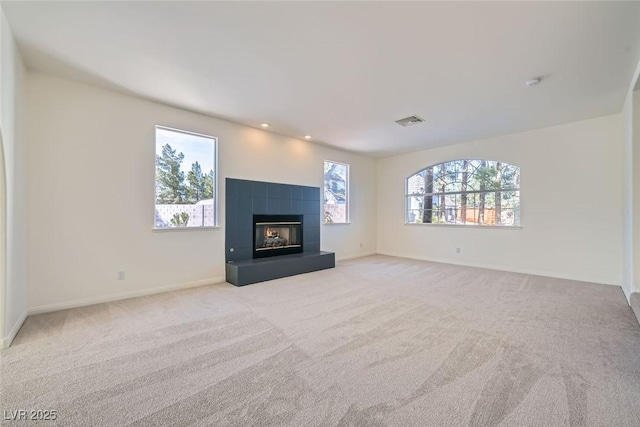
634	153
571	196
631	217
95	148
628	272
14	273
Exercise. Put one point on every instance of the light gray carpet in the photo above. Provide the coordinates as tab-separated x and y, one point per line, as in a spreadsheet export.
376	341
635	304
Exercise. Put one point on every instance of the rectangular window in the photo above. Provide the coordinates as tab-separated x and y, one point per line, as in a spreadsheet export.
336	193
185	179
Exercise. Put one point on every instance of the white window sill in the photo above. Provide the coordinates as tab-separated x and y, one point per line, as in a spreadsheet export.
501	227
217	227
336	223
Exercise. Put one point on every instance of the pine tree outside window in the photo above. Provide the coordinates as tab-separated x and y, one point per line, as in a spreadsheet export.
185	179
464	192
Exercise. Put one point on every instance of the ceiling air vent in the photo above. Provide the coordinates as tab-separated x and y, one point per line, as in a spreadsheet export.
409	121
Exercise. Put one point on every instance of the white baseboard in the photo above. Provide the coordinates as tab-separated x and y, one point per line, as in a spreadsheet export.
532	272
125	295
6	342
344	258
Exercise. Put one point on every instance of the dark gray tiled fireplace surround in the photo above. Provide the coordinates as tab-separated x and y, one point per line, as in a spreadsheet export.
247	198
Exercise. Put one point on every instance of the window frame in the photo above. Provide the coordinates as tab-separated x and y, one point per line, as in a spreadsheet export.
347	193
215	180
454	193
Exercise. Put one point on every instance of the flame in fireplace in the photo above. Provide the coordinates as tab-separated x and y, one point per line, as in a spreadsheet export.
268	232
277	235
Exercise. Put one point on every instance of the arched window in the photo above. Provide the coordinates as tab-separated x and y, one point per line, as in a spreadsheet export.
465	192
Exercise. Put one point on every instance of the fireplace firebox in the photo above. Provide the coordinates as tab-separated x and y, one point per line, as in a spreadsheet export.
276	235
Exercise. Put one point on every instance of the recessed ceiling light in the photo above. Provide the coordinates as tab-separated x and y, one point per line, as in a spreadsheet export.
307	137
264	125
532	82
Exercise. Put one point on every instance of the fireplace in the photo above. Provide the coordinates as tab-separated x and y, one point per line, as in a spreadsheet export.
276	235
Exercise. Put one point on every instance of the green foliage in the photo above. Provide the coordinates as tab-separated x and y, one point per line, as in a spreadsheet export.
170	188
328	218
196	188
180	220
486	177
456	191
437	219
170	180
475	174
208	186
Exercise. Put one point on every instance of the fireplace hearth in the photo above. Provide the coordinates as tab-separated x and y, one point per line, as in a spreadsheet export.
275	235
264	219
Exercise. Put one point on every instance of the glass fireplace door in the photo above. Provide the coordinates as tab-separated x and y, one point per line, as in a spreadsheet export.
277	236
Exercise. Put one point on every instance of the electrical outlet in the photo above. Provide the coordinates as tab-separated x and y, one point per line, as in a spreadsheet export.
360	244
457	250
121	275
